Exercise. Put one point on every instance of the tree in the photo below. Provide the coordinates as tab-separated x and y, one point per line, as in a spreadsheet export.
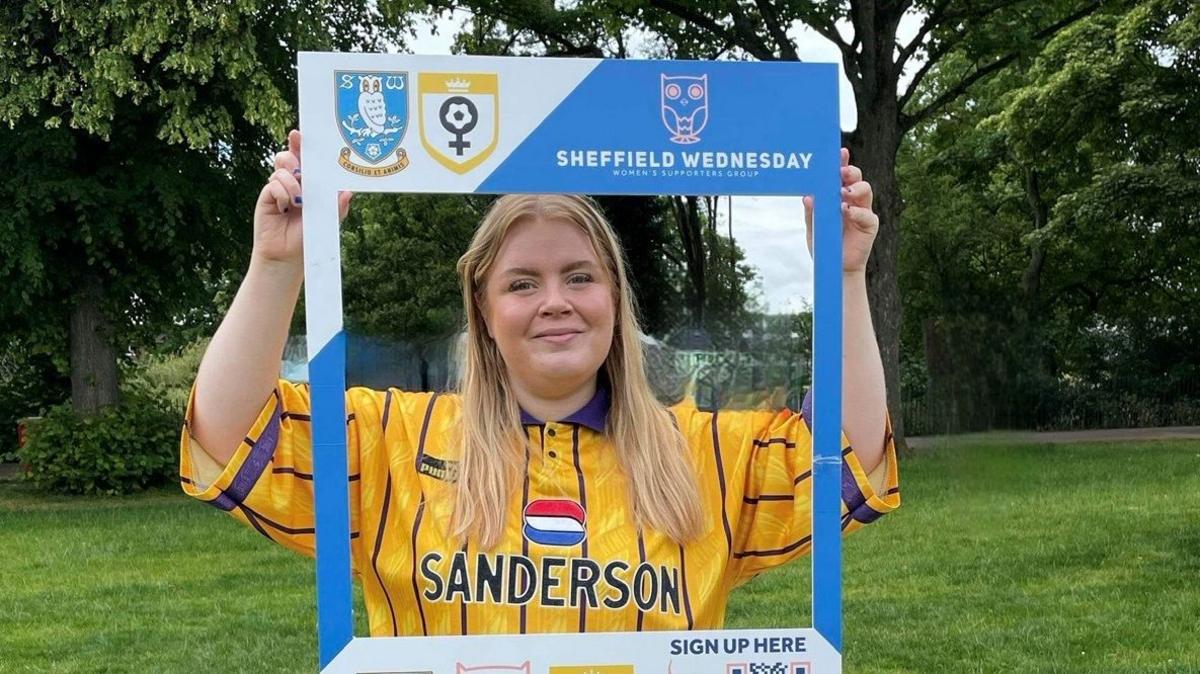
994	34
136	139
399	256
1049	242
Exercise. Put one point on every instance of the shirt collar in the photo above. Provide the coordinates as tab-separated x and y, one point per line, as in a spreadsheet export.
594	414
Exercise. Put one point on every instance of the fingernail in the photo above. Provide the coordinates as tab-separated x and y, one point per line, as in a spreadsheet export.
296	171
845	208
299	200
845	190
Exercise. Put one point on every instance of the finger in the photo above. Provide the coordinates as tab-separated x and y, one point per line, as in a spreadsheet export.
276	193
861	219
845	156
344	198
851	174
294	143
290	183
858	194
287	160
808	223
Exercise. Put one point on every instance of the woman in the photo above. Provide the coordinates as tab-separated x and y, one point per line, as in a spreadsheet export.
552	492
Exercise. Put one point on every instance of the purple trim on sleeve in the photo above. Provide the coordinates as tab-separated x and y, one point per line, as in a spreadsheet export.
260	455
856	502
223	502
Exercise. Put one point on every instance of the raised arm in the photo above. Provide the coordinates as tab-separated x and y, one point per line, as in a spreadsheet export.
241	366
864	395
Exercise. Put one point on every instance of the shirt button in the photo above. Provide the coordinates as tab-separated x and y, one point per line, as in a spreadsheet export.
553	454
550	432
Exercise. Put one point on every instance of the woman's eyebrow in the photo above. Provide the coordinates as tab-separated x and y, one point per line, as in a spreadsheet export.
525	271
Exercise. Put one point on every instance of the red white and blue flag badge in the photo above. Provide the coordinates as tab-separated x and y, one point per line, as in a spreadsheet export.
553	521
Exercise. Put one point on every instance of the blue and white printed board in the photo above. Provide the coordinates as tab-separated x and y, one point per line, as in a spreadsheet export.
461	124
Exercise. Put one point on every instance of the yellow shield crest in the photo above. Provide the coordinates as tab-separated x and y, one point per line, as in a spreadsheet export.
459	117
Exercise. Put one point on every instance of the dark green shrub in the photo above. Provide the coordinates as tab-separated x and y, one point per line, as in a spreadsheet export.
122	449
29	383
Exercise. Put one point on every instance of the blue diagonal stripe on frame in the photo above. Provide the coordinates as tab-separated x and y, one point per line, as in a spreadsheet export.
327	375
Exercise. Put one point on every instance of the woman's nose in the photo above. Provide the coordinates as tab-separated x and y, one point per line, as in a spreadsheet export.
555	301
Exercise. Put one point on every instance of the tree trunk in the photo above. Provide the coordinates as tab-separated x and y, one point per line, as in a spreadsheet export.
1031	281
687	220
93	359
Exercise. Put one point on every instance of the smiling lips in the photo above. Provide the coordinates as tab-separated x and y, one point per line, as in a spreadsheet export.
558	335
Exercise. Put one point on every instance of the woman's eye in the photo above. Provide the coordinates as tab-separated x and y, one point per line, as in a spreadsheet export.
580	278
520	285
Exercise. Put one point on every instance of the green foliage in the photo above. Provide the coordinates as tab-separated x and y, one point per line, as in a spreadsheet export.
122	449
1052	229
135	136
167	377
399	256
29	384
729	282
648	237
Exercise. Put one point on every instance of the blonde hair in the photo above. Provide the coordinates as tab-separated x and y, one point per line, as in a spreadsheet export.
653	453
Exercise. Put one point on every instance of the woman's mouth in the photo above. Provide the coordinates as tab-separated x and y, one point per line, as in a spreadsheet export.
558	337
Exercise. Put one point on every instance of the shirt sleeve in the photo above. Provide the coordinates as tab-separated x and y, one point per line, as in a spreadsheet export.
774	517
268	484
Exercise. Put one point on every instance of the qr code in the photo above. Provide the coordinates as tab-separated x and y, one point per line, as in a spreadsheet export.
768	668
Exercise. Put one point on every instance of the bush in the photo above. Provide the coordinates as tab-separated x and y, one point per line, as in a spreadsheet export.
167	377
29	383
121	449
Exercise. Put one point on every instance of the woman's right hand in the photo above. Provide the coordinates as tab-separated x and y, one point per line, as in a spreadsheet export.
277	223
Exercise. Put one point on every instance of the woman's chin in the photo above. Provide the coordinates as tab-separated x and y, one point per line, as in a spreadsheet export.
563	365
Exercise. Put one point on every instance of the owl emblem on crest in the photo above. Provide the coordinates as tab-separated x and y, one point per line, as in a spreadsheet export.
684	106
372	115
371	104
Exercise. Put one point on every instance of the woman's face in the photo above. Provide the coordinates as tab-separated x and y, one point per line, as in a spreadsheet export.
549	306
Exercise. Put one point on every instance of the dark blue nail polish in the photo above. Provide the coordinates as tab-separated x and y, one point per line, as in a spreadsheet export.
296	171
299	200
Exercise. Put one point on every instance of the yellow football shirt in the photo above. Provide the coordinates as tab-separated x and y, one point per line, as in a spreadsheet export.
571	558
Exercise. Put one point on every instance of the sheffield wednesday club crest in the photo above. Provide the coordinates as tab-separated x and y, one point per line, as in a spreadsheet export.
372	116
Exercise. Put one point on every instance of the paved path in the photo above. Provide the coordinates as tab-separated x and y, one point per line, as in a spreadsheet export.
1102	435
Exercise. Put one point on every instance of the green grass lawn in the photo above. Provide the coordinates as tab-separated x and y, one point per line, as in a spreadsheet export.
1031	558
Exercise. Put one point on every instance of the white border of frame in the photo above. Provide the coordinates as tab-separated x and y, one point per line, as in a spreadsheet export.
534	84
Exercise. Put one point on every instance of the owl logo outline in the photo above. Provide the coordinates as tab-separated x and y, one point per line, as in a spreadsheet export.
373	119
684	107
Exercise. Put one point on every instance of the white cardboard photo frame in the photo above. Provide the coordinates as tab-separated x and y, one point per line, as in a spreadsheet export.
587	126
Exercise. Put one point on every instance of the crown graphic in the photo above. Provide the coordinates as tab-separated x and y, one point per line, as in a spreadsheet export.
458	86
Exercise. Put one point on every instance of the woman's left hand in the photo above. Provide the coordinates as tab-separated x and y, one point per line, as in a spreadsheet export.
859	222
